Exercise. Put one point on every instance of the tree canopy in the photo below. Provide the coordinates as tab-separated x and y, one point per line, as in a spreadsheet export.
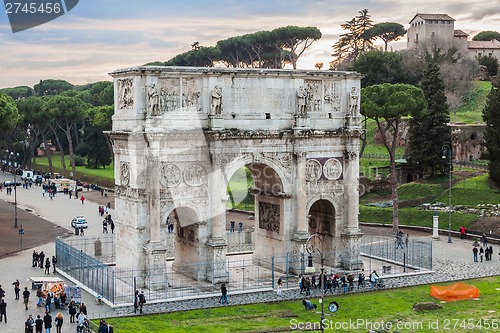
52	87
387	31
487	36
387	104
9	115
491	115
430	131
262	49
354	41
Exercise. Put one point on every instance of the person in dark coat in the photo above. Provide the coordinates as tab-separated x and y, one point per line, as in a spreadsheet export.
47	321
3	310
72	311
38	324
17	288
136	301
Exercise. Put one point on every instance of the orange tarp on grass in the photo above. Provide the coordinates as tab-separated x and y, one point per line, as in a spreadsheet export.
455	292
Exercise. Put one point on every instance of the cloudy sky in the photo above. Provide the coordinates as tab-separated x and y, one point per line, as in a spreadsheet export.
99	36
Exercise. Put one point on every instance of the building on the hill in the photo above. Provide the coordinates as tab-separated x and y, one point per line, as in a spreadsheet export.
441	27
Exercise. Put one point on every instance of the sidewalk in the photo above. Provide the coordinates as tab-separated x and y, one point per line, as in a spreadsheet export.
60	211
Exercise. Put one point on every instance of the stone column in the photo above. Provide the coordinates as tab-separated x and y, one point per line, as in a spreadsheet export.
217	245
153	194
155	249
301	234
351	233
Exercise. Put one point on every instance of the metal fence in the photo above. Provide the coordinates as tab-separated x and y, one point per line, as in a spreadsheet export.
396	255
243	273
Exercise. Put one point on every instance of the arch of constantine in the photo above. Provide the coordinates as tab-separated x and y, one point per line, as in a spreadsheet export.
180	133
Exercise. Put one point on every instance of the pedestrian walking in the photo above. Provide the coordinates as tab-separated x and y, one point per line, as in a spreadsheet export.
373	279
47	321
39	294
82	198
59	322
3	311
361	279
113	226
2	292
279	293
29	324
223	291
17	288
26	297
105	226
38	324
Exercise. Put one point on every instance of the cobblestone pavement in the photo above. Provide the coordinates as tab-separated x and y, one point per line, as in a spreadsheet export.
450	262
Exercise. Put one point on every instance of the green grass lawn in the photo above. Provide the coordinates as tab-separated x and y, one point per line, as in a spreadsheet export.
102	176
370	308
413	217
474	103
472	191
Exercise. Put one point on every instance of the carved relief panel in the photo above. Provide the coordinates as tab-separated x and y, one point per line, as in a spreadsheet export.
332	95
313	95
124	173
169	94
269	217
191	95
125	94
323	168
170	175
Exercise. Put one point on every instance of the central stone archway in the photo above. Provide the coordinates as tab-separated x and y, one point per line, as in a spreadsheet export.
179	134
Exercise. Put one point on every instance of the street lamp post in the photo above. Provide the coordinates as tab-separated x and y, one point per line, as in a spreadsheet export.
310	269
13	156
447	153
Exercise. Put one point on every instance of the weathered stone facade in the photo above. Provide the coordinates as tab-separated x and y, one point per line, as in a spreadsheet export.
179	134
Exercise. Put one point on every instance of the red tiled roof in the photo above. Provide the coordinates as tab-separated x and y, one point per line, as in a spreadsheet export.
460	33
434	17
478	44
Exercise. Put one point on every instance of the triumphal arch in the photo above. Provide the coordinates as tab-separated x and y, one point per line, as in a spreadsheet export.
180	133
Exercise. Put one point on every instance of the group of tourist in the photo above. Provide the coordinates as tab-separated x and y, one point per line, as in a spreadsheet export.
139	301
103	212
232	225
39	260
481	249
336	282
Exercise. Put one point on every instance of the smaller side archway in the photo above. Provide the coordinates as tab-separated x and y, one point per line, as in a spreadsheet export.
322	221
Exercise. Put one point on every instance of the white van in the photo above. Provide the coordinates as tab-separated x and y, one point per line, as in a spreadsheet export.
27	174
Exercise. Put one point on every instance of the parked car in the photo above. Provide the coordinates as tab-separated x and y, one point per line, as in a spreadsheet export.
79	222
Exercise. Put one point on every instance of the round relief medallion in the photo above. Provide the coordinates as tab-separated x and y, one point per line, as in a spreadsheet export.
170	175
313	170
124	173
194	175
332	169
